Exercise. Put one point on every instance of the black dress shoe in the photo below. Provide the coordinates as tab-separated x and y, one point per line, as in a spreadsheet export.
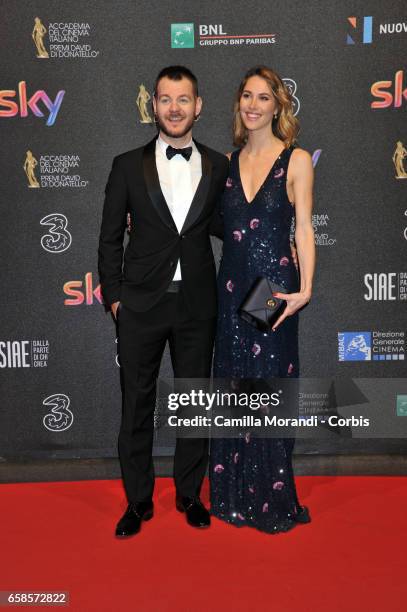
303	515
130	522
196	513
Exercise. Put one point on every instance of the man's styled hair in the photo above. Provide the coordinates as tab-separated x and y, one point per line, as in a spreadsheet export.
176	73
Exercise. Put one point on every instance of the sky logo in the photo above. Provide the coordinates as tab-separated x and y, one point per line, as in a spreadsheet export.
10	108
315	157
367	35
395	97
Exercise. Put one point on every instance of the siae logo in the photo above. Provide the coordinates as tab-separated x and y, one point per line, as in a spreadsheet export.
385	286
13	108
82	292
381	286
24	353
367	30
389	98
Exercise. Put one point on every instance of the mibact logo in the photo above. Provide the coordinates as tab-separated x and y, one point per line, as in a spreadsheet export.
354	346
371	346
394	97
14	108
82	291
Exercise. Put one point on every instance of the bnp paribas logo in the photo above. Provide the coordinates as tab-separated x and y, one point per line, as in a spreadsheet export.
401	406
182	36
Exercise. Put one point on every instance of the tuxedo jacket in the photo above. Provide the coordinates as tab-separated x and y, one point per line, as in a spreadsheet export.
142	276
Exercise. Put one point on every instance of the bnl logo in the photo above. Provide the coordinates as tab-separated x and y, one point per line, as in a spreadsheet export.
367	36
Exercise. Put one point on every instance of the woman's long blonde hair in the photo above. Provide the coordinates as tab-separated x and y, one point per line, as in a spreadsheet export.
285	126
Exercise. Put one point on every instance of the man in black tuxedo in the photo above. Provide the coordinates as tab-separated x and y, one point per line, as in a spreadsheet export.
165	289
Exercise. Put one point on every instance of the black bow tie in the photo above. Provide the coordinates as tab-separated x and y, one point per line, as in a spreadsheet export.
186	152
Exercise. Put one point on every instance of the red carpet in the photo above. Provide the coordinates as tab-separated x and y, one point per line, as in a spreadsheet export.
59	536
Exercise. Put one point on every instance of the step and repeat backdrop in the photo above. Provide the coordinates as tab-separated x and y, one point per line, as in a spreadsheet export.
75	90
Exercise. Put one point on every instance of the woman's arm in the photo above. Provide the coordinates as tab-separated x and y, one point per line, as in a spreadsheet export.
216	224
302	180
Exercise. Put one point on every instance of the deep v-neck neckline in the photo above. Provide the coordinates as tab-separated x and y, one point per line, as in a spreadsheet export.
265	179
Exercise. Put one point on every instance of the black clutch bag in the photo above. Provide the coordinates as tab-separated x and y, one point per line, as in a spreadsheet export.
260	308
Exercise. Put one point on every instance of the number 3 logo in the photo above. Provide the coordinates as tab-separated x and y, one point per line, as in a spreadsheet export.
60	418
58	238
292	88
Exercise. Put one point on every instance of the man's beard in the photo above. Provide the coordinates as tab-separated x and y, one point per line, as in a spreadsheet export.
165	131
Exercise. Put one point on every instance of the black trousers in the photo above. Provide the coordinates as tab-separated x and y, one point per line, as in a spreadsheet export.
141	342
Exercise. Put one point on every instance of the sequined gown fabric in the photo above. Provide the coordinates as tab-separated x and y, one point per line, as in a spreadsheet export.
252	480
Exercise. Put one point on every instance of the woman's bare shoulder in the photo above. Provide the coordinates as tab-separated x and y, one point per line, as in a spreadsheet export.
301	156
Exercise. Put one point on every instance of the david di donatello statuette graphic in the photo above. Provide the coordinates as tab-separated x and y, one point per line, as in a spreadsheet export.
29	166
142	100
38	34
399	156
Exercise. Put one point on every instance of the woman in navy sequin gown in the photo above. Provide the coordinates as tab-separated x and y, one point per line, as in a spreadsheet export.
269	186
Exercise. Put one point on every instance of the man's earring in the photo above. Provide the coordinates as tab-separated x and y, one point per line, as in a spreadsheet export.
197	118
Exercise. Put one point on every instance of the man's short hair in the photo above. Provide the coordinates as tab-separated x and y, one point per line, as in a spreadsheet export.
176	73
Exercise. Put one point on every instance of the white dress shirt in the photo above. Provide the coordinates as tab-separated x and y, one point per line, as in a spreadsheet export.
179	180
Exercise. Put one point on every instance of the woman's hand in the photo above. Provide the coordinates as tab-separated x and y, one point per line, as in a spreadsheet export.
295	301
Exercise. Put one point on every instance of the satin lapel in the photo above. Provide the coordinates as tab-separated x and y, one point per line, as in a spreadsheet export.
153	185
201	193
